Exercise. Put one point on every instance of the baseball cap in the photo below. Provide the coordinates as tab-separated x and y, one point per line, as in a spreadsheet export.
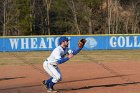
62	39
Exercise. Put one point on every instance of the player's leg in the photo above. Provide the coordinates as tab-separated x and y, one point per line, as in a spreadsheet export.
47	82
55	74
46	68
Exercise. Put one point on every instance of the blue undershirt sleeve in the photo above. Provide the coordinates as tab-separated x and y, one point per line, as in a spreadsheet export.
75	51
62	60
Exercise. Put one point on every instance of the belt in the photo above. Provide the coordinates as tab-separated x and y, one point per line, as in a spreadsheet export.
51	63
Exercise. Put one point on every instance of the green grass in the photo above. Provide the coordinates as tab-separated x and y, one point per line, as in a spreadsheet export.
37	57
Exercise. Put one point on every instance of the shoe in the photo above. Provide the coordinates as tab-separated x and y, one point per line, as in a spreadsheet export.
50	90
43	82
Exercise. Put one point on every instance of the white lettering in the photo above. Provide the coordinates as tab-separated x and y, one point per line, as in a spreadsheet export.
33	42
128	43
50	40
136	44
42	43
112	40
24	43
14	43
121	41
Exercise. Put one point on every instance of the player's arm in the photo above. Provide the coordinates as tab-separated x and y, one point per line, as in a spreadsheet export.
70	55
81	44
61	60
76	51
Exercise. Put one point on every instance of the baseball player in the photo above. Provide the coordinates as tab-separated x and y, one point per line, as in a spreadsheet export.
59	55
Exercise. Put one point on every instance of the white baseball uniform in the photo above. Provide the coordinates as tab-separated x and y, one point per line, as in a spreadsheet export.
51	64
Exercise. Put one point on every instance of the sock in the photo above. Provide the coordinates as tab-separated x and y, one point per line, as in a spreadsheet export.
51	84
48	81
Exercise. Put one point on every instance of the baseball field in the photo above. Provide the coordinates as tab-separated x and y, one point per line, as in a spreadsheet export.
99	71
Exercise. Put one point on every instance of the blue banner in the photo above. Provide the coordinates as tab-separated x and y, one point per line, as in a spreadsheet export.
50	42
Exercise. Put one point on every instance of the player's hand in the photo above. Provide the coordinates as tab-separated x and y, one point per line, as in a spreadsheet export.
70	55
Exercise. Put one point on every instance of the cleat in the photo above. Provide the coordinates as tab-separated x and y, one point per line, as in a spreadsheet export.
43	82
50	90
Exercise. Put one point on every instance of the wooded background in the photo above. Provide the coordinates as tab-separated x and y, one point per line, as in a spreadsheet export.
69	17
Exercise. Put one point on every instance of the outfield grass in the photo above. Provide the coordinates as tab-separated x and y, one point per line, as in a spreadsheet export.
37	57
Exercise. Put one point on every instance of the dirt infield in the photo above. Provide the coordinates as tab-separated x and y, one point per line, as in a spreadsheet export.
77	78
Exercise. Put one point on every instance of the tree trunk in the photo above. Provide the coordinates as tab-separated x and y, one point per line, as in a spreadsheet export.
71	5
75	17
109	15
90	26
90	22
48	3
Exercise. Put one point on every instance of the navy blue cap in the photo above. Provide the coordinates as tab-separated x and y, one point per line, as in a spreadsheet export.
62	39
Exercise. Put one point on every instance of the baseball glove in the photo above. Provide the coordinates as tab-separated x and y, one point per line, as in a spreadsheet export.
81	43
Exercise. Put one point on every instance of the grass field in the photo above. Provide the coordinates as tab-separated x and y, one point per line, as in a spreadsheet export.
37	57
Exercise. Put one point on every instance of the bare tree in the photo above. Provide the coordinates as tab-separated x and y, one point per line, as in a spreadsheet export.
71	5
135	17
109	4
87	8
48	3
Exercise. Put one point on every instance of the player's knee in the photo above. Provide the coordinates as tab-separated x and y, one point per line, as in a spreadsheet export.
59	78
